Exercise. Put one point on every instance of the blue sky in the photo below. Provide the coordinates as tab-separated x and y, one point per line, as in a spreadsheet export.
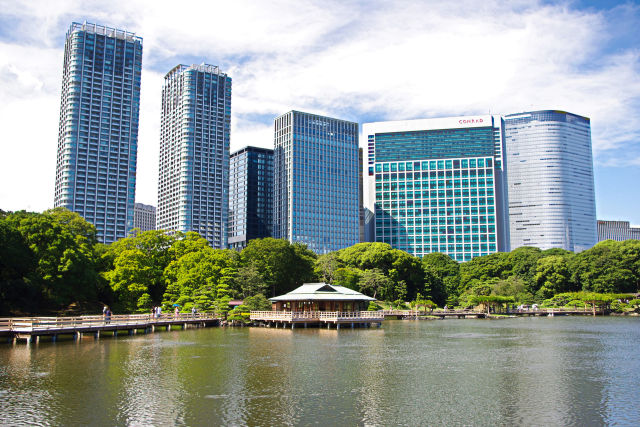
357	60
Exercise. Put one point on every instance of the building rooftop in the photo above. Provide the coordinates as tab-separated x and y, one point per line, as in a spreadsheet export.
322	292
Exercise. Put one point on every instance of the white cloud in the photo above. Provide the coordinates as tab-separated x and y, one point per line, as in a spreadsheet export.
387	60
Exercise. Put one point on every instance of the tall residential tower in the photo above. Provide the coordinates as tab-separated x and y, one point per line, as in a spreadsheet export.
437	185
98	131
316	181
194	152
250	196
550	178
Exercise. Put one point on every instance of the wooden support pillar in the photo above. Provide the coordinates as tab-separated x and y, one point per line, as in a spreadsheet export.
328	325
54	338
96	335
305	325
153	328
184	326
131	331
77	336
37	337
337	325
293	325
351	325
28	339
115	333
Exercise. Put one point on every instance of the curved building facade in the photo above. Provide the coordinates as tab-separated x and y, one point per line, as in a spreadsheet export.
550	180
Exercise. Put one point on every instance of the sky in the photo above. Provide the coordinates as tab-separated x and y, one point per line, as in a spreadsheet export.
356	60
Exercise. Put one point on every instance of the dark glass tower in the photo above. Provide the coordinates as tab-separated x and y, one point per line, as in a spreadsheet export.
98	131
250	195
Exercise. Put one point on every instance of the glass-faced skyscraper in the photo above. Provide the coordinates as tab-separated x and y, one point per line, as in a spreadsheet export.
316	181
194	152
550	176
98	131
250	195
437	185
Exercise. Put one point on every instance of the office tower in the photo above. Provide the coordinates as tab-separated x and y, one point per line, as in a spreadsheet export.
194	152
550	177
98	131
316	181
144	217
437	185
250	195
617	230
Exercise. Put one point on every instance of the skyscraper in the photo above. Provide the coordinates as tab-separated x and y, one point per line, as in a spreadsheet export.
98	131
250	196
437	185
144	217
316	181
550	178
194	152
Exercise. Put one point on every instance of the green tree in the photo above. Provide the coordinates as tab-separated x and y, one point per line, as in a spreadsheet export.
17	262
552	276
61	247
349	277
197	278
283	266
601	269
249	281
137	267
374	282
448	270
257	302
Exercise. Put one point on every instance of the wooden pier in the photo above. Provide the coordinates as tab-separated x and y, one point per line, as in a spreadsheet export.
33	328
317	318
415	314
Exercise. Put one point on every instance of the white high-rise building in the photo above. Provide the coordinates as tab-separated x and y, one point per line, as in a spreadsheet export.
193	182
550	180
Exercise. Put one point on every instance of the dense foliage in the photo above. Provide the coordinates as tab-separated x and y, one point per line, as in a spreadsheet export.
50	263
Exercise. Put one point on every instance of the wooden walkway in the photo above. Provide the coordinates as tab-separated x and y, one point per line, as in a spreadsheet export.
462	314
33	328
413	314
306	318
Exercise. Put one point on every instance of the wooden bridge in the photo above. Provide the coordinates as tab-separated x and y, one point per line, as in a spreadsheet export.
337	318
414	314
33	328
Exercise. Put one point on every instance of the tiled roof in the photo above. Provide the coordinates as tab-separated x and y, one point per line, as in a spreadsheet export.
322	292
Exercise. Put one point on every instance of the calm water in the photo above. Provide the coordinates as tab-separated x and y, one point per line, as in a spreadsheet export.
540	371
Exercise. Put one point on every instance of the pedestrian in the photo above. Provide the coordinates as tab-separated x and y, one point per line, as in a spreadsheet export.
107	316
193	311
176	312
104	310
159	311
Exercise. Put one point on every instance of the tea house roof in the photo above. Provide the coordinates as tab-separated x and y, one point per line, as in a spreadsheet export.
322	292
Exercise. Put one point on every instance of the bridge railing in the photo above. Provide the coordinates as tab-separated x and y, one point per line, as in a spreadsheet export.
314	315
31	324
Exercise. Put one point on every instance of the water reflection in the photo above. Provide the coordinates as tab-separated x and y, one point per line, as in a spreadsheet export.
558	371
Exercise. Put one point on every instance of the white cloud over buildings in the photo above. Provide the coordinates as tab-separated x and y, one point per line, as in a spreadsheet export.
354	60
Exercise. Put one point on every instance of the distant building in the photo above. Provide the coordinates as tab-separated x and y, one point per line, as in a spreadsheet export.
193	181
144	217
316	181
250	196
98	131
550	177
437	185
617	230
